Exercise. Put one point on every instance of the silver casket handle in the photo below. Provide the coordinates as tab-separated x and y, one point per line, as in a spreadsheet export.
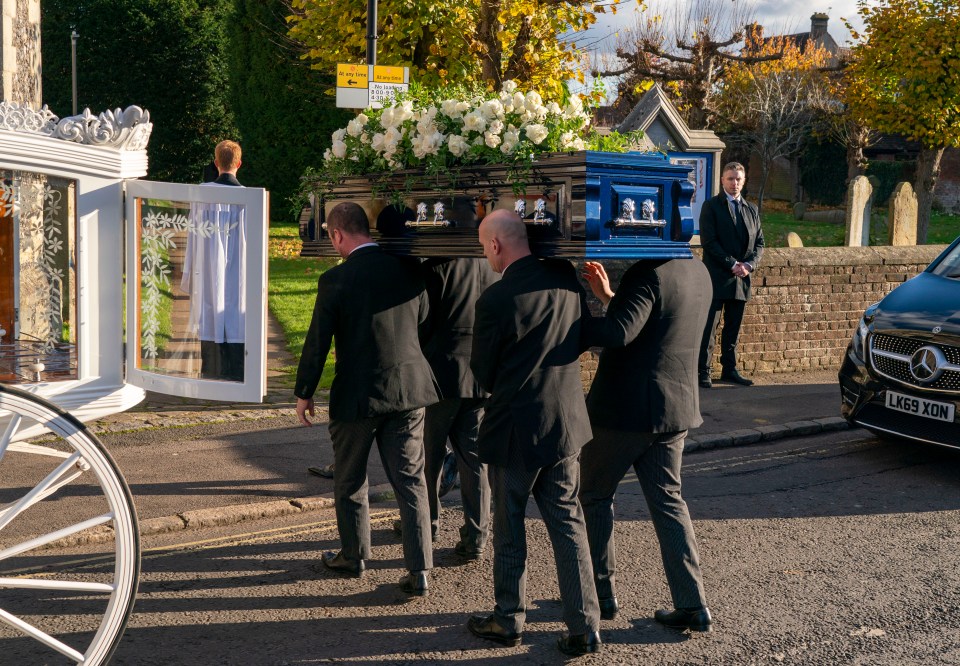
648	220
422	221
539	211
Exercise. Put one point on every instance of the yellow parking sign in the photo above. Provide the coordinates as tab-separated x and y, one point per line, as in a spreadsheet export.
352	76
384	74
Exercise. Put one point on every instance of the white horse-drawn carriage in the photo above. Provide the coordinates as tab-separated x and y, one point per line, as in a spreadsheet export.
109	286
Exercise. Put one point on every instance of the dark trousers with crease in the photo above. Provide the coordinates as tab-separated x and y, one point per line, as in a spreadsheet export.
459	419
656	458
399	438
555	490
732	319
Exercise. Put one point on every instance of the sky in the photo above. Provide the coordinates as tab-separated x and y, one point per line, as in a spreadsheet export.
777	17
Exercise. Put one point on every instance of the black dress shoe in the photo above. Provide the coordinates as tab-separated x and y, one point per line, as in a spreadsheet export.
326	471
415	583
579	644
705	381
609	608
398	530
694	619
736	378
337	562
467	551
489	629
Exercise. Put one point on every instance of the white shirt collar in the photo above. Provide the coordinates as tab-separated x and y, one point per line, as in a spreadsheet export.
370	244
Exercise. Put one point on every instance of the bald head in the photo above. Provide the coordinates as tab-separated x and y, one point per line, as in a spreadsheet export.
503	236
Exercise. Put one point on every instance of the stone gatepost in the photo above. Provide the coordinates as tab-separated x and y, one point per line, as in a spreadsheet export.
903	216
859	196
20	73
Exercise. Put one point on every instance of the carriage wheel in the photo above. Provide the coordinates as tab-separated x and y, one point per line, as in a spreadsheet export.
59	494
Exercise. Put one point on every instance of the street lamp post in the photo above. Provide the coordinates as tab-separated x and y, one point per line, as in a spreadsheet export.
371	32
74	35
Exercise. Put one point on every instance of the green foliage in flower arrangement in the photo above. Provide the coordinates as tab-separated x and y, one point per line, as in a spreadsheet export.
430	132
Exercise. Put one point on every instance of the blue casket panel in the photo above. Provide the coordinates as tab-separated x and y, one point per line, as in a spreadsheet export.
576	205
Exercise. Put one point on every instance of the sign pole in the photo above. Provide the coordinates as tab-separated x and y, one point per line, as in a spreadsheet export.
371	32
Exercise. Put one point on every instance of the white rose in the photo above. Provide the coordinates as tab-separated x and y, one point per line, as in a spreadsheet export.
378	142
339	135
389	118
405	111
507	147
554	109
536	133
392	135
327	155
354	128
509	86
573	108
566	139
578	144
518	102
339	149
512	135
364	138
492	140
362	119
533	99
474	122
540	112
496	126
457	145
491	109
448	107
507	101
463	107
527	117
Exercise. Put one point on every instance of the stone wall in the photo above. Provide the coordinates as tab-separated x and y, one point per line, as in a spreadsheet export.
807	301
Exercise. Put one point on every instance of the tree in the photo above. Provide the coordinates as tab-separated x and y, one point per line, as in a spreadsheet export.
769	105
451	41
167	56
283	108
686	48
905	80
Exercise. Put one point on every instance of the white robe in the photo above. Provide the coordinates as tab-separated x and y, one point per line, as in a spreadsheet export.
214	270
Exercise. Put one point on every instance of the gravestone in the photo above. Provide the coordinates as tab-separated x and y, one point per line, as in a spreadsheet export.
859	195
903	216
20	52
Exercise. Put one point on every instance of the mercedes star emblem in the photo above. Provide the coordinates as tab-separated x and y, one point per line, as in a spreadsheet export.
937	329
926	364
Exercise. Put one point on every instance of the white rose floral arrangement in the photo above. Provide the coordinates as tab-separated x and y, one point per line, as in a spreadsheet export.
438	131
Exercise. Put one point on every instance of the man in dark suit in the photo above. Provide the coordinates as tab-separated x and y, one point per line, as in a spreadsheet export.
642	401
453	287
526	348
374	305
732	243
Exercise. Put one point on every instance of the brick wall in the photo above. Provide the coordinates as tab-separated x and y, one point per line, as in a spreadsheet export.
806	303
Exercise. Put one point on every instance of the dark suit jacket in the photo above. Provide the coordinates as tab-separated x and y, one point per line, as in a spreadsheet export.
646	380
724	244
526	349
453	287
374	305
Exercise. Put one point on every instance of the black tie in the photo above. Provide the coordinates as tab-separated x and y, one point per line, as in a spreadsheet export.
737	213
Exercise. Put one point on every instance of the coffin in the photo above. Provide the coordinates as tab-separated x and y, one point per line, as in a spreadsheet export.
576	205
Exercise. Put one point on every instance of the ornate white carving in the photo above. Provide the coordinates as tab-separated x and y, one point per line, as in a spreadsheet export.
157	241
125	129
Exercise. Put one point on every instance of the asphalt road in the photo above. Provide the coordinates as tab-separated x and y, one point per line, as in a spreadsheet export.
833	549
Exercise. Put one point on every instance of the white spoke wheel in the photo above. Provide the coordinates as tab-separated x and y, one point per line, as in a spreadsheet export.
69	539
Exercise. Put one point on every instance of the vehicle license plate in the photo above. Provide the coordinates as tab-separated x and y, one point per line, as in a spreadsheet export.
931	409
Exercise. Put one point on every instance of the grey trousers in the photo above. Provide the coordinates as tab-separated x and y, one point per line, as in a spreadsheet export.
459	419
399	438
656	458
555	490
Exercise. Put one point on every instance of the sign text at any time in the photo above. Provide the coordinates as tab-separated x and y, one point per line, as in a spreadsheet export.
369	86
